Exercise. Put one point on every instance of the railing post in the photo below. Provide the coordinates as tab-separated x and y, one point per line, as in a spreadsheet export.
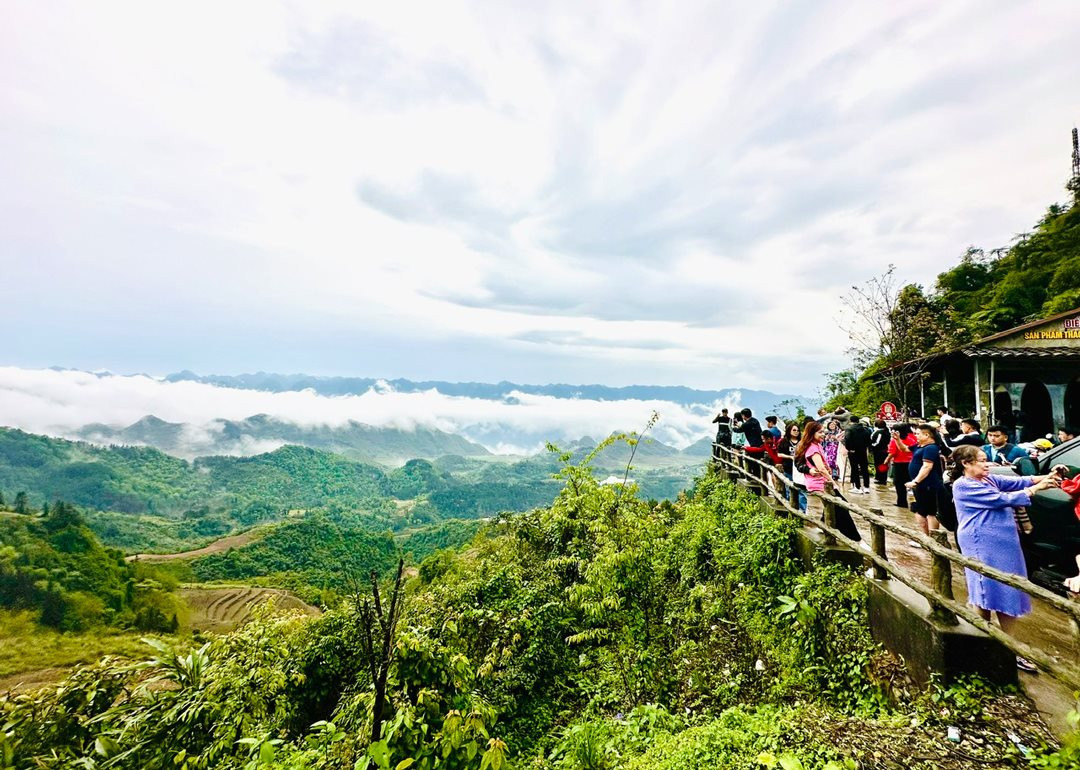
877	543
830	514
941	579
757	477
793	496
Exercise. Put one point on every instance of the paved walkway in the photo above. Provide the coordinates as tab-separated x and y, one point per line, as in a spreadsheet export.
1046	627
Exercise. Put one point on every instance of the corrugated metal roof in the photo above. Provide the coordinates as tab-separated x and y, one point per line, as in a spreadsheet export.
1047	352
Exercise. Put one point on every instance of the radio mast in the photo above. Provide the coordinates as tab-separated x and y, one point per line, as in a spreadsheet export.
1074	183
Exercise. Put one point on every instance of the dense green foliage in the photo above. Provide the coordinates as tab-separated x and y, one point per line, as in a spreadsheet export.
600	633
549	621
54	564
420	543
320	550
1038	276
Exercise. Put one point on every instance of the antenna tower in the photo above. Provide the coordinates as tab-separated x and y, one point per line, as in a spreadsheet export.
1074	183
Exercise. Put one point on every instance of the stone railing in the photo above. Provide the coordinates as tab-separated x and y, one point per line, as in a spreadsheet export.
765	480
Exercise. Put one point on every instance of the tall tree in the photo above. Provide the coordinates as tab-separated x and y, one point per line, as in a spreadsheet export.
892	326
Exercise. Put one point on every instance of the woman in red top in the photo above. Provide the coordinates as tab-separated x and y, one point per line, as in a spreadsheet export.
900	449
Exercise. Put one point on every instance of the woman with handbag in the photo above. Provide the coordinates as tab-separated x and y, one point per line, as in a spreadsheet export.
810	461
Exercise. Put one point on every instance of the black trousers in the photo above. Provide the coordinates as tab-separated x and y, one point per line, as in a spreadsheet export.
900	477
860	469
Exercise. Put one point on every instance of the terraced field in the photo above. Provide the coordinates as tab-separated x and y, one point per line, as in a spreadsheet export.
224	608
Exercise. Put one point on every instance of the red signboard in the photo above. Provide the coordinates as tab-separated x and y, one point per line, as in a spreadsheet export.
888	411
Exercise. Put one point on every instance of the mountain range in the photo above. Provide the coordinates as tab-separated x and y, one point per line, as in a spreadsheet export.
758	400
261	433
363	443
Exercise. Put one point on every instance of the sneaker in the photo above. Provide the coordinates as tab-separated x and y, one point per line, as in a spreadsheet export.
1026	665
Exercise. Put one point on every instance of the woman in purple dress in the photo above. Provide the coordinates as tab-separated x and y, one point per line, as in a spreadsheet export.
987	531
831	446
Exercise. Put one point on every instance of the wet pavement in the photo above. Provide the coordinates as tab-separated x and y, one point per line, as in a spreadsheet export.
1047	628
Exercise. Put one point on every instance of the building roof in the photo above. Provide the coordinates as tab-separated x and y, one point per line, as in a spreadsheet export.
992	352
979	347
1029	325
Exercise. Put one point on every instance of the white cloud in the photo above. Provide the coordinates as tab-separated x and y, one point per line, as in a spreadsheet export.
60	402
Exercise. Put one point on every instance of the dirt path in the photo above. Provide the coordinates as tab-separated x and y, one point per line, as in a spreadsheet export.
224	544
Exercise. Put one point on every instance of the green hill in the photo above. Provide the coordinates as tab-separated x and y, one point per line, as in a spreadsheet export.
56	565
986	291
144	480
320	550
141	499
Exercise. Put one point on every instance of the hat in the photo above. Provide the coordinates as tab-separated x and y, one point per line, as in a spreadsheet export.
1042	444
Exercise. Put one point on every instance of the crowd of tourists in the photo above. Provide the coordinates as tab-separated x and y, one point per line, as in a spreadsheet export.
940	470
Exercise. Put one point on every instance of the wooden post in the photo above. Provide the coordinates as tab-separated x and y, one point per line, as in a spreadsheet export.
753	476
877	542
830	514
793	496
941	580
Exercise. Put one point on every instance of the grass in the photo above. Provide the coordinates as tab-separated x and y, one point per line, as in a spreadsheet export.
27	647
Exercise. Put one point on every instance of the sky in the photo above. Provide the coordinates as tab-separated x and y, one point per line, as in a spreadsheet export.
616	193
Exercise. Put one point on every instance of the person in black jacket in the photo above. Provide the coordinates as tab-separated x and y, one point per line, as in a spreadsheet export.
857	443
969	435
723	428
749	426
879	446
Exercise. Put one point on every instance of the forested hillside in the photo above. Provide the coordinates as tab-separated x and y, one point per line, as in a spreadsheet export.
1039	275
55	566
141	499
321	551
987	291
599	633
